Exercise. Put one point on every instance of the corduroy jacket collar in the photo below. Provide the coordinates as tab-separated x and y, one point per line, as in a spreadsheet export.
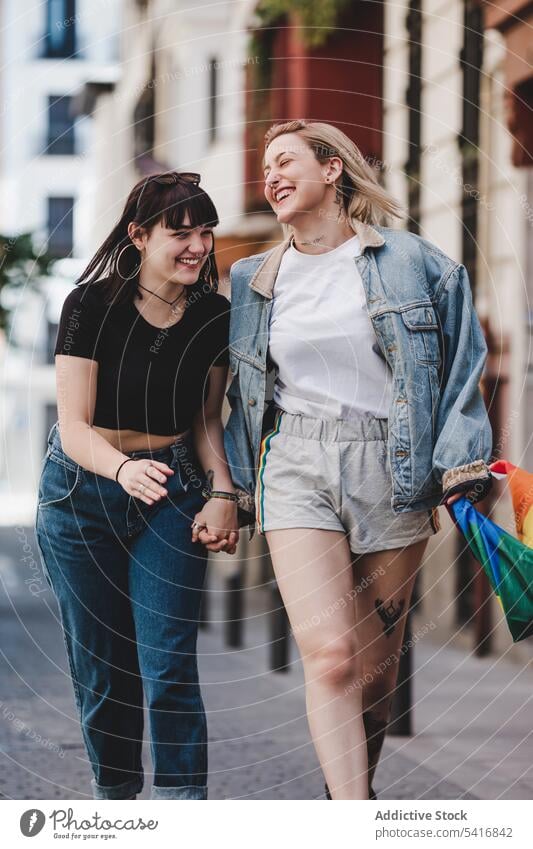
263	279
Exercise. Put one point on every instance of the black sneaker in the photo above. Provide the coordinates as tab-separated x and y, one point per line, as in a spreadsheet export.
371	794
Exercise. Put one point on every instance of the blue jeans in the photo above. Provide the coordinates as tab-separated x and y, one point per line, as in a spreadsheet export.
129	582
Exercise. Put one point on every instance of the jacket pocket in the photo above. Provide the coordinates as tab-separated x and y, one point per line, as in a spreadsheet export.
423	329
246	392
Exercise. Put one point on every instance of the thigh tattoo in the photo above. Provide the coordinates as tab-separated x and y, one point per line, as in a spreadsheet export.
389	614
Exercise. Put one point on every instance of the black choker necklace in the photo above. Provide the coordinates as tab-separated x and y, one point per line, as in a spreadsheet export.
170	303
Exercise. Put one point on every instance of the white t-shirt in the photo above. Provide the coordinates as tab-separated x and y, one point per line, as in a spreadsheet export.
322	339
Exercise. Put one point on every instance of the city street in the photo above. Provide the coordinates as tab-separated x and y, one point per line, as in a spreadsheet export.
472	718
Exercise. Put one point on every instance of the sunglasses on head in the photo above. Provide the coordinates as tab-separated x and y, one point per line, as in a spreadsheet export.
170	179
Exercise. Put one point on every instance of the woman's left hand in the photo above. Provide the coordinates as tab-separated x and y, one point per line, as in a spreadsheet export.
459	495
455	497
216	526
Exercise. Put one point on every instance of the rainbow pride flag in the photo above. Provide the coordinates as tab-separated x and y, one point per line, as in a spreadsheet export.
506	559
521	486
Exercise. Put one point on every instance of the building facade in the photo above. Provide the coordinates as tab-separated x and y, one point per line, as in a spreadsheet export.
435	94
179	104
449	156
48	49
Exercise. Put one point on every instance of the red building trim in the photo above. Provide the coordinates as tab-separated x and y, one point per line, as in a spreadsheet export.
339	83
514	19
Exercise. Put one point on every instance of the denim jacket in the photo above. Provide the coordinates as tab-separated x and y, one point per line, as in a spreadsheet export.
420	304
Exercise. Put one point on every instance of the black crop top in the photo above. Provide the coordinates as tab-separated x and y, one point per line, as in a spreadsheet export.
150	379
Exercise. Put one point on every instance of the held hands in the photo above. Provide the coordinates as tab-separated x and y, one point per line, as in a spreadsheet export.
145	479
216	526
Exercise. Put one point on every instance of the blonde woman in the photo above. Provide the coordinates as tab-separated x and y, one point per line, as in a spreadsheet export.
376	418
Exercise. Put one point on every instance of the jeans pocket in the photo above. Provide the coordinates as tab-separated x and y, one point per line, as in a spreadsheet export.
58	481
42	555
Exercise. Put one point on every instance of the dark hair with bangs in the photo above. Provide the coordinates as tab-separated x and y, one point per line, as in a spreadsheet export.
151	202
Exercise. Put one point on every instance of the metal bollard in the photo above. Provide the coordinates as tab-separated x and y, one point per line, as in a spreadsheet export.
234	610
203	621
279	632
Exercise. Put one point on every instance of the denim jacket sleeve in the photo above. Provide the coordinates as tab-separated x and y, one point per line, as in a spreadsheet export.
239	452
464	438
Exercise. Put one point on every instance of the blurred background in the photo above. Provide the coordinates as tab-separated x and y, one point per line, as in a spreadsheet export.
438	95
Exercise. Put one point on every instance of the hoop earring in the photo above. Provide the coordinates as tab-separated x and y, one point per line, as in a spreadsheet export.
130	245
207	273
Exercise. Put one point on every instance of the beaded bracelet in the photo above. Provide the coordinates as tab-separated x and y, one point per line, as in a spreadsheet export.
229	496
219	493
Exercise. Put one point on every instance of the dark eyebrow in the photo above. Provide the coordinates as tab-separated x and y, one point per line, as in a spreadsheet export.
191	227
279	155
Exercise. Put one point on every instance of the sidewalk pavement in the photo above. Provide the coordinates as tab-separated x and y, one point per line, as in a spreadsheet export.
472	717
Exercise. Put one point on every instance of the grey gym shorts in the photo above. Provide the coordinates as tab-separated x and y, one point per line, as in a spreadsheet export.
334	475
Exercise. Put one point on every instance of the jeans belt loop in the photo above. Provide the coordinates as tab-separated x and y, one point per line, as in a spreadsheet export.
178	450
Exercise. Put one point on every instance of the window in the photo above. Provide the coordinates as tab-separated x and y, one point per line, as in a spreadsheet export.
413	100
144	118
471	61
60	35
51	334
212	100
60	226
471	584
60	139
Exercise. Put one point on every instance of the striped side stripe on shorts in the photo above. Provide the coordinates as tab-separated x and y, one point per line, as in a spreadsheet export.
263	453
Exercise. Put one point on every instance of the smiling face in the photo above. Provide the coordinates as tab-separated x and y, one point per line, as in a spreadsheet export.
178	255
294	178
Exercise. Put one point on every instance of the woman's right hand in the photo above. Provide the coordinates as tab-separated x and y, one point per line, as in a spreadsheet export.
143	479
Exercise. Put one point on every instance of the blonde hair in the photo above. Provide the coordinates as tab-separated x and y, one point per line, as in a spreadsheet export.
363	197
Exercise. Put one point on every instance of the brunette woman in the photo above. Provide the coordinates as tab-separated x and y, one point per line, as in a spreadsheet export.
135	459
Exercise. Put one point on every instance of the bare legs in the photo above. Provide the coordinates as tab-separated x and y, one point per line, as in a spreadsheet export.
314	573
348	617
385	580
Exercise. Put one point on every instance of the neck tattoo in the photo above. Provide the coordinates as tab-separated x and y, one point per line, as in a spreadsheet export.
315	242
